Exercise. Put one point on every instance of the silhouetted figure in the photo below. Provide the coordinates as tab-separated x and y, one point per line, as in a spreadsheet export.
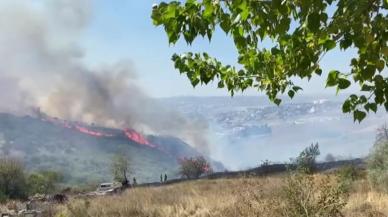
134	181
161	178
165	177
125	183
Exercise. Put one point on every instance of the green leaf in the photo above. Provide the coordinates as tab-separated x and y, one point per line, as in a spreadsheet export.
343	83
384	51
359	115
380	65
329	44
345	43
366	87
296	88
170	12
371	106
318	72
332	78
225	23
244	10
291	93
208	12
313	21
346	107
368	72
277	101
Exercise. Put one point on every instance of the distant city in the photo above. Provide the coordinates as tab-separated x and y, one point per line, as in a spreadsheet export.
259	130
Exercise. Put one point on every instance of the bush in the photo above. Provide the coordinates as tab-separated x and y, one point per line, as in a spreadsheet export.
306	161
194	167
44	182
12	179
377	166
350	173
308	195
121	168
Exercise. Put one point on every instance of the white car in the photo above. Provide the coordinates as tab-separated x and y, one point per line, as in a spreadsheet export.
108	188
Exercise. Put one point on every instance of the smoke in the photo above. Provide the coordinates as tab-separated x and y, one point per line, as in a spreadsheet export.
42	66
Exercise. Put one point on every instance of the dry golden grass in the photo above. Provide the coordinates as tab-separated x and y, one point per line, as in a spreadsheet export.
365	202
201	198
215	198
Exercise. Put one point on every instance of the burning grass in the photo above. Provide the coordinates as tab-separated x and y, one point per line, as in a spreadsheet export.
215	198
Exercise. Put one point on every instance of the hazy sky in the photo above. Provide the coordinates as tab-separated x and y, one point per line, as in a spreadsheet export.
124	30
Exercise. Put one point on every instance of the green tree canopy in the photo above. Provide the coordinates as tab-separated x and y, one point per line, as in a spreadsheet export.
296	49
121	168
43	182
12	179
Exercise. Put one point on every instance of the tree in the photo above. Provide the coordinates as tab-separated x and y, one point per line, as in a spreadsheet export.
296	49
121	169
306	161
194	167
44	182
378	161
382	134
12	179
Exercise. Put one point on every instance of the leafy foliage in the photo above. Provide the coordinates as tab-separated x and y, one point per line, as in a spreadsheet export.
296	50
194	167
121	168
305	162
44	182
378	162
348	174
307	195
12	179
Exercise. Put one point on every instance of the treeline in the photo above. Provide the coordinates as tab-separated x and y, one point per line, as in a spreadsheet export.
17	183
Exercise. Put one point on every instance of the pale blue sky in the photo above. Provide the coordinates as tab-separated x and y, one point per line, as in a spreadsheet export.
123	30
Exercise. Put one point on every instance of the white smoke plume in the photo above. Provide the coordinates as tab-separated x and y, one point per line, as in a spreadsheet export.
42	66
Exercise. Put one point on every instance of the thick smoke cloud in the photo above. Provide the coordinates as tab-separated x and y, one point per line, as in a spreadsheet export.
42	66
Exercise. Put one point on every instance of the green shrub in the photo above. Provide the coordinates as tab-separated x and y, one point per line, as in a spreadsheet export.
306	161
12	179
306	195
378	166
121	168
350	173
300	195
44	182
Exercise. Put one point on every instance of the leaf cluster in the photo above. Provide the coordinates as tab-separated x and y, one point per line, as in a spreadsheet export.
301	33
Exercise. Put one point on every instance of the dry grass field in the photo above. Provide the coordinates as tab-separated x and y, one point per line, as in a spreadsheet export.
255	196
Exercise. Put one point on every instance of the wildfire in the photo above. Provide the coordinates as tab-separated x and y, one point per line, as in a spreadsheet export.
130	134
86	129
137	137
91	132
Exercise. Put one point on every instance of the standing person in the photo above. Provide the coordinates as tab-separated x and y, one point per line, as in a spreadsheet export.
134	182
161	178
165	177
125	183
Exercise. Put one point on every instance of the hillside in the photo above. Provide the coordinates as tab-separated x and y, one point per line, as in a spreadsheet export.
83	153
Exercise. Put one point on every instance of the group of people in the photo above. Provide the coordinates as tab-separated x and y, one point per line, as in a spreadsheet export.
161	178
126	183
